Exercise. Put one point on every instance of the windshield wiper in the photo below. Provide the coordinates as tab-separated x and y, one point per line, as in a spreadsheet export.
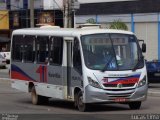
138	63
106	65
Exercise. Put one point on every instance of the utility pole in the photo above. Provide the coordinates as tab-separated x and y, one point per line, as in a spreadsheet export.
31	13
69	9
67	14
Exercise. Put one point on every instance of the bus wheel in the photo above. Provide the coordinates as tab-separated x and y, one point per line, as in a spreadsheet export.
81	106
135	105
37	99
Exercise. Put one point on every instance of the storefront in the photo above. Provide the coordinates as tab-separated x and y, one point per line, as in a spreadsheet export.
4	30
4	44
21	19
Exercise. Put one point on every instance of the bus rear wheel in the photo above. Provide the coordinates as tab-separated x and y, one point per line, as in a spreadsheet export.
80	104
37	99
135	105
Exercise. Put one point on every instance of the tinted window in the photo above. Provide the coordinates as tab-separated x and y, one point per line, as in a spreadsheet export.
17	48
56	50
77	56
42	43
29	48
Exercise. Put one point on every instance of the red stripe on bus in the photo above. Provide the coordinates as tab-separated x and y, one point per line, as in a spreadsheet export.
17	75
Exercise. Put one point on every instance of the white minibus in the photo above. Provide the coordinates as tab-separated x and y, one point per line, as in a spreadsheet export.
81	65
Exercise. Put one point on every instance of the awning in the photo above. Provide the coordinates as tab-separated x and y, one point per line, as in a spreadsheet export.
4	40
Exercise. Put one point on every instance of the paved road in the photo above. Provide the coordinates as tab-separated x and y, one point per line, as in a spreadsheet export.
15	102
4	73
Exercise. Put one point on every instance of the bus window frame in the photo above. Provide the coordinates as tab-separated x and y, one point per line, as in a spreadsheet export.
13	49
33	49
36	49
80	71
62	48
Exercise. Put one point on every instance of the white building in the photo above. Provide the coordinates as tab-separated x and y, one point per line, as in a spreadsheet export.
141	16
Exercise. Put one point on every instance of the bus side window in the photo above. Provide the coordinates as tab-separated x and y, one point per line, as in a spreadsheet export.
56	50
42	43
29	52
17	48
77	56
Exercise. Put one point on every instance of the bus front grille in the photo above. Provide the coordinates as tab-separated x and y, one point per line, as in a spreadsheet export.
123	95
122	85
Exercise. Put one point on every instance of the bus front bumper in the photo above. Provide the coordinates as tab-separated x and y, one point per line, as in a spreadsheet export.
96	95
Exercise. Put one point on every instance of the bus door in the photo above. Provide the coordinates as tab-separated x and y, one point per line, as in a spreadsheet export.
76	72
68	68
74	66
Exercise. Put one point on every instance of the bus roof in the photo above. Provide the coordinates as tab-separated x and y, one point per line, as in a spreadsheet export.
65	32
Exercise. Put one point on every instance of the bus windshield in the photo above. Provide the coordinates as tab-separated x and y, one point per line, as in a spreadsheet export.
111	52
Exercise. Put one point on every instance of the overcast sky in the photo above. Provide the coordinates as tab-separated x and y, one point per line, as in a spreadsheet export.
92	1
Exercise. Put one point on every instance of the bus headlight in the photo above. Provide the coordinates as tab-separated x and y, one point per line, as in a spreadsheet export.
93	83
142	82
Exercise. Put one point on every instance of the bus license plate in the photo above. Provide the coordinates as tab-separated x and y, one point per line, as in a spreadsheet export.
120	100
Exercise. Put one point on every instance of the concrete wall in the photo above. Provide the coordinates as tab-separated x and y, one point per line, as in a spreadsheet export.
145	27
2	5
16	4
38	4
148	32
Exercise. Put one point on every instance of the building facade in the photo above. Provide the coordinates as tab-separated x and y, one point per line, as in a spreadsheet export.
15	14
141	16
45	12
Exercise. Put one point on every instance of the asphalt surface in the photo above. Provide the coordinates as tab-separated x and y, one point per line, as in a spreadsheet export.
4	73
14	103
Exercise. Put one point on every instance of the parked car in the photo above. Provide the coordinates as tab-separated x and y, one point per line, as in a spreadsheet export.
2	62
6	55
153	70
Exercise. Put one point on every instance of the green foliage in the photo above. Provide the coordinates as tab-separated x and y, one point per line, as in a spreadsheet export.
118	24
91	20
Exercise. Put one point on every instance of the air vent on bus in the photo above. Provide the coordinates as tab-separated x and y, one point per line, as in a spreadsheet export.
49	26
89	26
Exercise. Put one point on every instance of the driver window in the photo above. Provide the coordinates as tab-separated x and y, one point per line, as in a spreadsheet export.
77	64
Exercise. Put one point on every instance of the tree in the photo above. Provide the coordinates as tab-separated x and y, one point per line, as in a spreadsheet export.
91	20
118	24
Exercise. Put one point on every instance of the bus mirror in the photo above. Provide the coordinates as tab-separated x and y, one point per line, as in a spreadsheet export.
143	47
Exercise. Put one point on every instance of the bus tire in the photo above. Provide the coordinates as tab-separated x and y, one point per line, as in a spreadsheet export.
75	100
37	99
135	105
81	106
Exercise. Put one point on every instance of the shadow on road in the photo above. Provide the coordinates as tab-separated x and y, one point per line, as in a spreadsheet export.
70	106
